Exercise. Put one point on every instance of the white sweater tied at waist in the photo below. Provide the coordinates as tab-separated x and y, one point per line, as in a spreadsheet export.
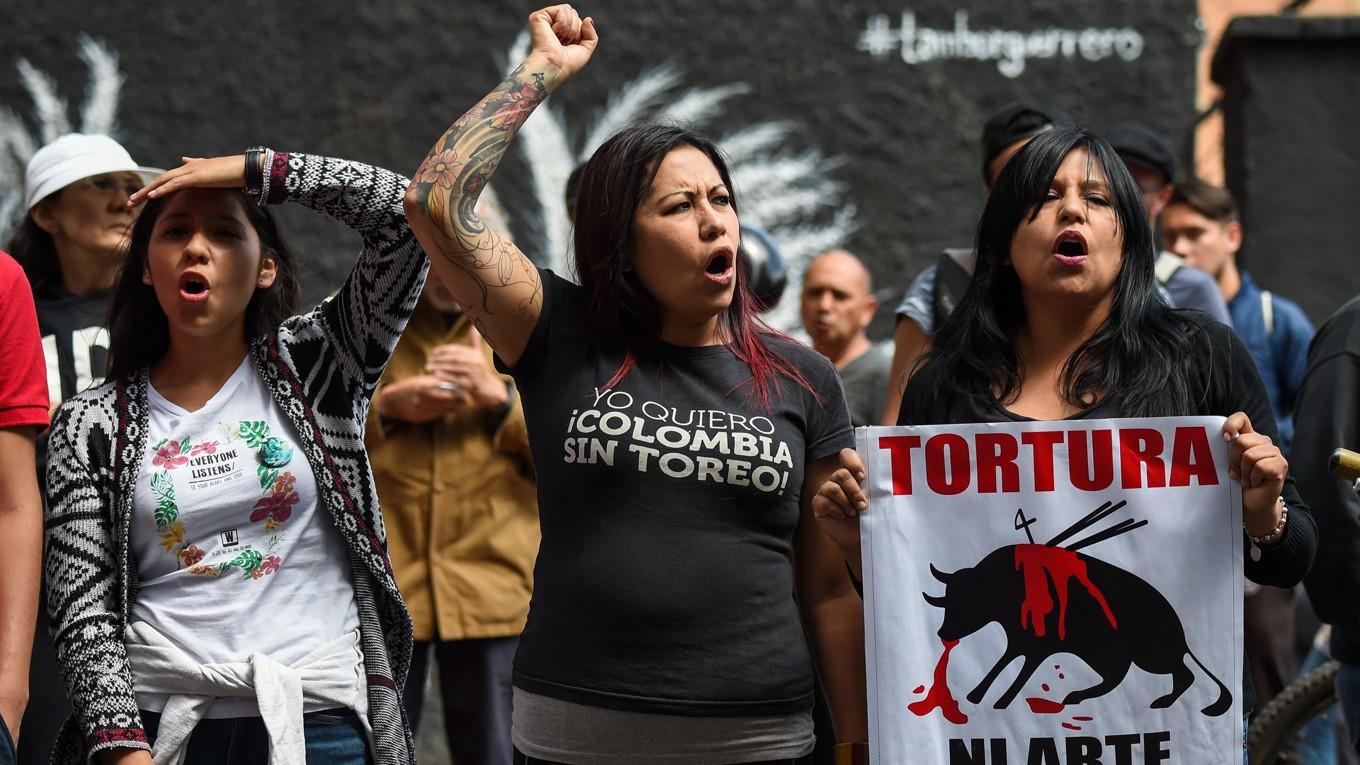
327	677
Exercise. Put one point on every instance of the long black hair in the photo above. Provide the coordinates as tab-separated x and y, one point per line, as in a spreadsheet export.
33	249
139	333
1140	358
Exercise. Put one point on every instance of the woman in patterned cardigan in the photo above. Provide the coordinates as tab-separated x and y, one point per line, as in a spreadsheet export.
218	581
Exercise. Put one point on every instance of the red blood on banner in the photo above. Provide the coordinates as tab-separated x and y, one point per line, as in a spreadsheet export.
1070	726
919	689
1044	686
1039	564
1082	718
1044	706
940	696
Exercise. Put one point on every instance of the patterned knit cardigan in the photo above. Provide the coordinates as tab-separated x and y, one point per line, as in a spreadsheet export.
321	369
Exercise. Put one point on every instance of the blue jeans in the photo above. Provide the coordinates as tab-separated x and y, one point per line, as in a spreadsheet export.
334	737
1348	691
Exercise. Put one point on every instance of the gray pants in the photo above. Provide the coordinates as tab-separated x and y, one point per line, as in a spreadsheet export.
474	684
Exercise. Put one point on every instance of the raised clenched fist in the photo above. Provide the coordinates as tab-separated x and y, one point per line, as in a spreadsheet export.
559	35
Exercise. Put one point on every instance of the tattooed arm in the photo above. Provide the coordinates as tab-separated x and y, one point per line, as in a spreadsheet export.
496	283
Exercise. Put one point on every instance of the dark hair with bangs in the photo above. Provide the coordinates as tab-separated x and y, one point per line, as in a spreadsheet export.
1140	357
139	333
621	312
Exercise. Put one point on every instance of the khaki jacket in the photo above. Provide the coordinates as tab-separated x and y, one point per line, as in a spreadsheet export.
459	503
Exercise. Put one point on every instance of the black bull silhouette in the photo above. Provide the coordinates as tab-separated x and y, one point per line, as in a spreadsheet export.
1105	616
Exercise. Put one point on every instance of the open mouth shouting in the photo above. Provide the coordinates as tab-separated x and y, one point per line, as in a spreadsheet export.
193	287
1070	248
721	266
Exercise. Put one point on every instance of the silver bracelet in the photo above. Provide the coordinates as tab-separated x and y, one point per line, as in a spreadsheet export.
268	167
1275	533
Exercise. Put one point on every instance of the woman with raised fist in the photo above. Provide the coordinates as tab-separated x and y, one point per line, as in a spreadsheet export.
674	438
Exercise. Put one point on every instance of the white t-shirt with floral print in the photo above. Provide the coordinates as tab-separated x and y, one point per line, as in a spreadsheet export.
234	555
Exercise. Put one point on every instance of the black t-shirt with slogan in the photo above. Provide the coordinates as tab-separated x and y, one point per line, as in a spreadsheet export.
668	504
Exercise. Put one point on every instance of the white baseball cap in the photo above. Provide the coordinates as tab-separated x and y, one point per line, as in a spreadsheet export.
75	156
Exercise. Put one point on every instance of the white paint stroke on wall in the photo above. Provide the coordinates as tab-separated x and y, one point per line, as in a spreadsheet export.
790	192
51	118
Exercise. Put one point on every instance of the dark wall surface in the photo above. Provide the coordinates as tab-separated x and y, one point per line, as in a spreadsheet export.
853	122
1291	155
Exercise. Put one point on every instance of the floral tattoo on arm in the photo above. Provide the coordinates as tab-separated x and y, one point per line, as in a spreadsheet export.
450	180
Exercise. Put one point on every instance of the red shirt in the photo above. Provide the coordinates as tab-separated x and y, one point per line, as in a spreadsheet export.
23	374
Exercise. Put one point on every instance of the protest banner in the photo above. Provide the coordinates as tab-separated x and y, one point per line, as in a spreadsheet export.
1053	593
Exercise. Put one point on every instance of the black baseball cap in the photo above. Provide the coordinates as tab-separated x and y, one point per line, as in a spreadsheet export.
1016	122
1141	145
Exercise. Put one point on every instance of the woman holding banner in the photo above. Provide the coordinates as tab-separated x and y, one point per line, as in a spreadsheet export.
677	443
1062	321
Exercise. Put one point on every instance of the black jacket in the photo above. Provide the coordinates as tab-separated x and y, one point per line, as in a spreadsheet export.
1327	415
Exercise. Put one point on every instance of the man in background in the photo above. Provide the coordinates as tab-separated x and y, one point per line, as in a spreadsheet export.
1153	167
451	458
1327	413
837	305
1200	224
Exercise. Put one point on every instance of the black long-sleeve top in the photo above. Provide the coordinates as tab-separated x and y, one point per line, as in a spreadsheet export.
1327	415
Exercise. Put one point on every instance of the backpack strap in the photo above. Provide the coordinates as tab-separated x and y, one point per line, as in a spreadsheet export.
951	281
1268	312
1167	266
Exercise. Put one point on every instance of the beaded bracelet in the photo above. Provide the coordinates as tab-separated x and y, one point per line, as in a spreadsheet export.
1275	533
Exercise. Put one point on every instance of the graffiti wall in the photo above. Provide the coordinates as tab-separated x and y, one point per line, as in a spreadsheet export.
850	123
